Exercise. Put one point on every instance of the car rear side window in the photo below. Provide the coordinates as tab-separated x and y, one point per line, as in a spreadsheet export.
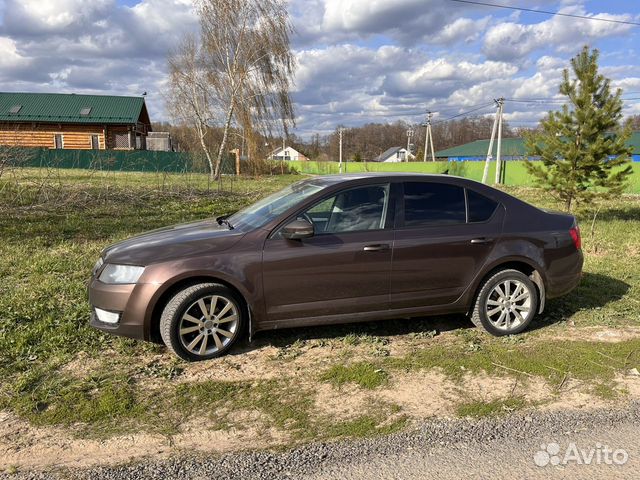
429	203
481	208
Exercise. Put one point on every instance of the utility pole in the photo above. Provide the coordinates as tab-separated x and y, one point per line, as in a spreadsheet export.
499	147
428	139
487	163
340	130
410	133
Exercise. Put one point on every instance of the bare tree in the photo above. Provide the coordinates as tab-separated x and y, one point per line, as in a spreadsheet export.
191	96
238	72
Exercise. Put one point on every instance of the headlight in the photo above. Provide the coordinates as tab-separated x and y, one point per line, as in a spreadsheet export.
97	266
121	274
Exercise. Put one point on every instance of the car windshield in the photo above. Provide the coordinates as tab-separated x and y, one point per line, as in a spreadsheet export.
265	210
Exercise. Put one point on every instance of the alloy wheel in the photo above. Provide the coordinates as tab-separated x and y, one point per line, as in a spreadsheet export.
508	305
208	325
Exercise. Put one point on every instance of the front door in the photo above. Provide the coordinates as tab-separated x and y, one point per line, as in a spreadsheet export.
441	244
344	268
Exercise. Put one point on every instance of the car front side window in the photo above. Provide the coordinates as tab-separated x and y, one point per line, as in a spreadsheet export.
356	209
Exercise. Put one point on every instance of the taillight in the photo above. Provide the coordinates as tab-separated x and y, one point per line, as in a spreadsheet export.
575	235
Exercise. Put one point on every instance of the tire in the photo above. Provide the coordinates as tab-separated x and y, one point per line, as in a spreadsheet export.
190	331
505	314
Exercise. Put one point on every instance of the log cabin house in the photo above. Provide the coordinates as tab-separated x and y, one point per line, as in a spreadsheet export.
70	121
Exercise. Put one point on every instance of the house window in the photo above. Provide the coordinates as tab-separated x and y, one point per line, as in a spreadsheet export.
95	142
58	141
122	140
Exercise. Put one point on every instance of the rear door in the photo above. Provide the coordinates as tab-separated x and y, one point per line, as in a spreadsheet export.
444	236
344	268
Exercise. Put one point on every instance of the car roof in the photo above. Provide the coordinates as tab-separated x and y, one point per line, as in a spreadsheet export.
333	180
337	178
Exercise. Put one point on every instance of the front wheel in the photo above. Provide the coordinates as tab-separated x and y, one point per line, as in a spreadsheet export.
202	321
506	303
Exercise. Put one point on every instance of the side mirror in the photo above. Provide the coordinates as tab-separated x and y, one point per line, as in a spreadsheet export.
298	229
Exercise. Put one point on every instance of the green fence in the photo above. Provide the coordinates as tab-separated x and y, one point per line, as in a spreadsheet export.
515	171
115	160
180	162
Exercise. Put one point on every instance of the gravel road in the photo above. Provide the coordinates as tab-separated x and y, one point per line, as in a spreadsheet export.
508	447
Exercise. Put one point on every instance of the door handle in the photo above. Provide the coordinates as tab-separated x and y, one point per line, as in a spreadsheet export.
376	248
481	240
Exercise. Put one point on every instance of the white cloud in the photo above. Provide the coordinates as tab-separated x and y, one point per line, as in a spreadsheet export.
512	41
358	60
464	29
36	17
408	22
10	56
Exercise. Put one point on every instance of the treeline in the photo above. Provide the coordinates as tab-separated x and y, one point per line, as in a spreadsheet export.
359	143
370	140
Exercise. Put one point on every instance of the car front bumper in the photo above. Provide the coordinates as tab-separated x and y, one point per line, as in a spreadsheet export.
131	301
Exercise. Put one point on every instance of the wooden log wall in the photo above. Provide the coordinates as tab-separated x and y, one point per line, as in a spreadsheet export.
43	135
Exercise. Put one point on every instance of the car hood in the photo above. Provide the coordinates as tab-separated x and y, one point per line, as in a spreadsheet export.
170	243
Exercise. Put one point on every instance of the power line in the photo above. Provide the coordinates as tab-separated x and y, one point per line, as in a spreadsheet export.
547	12
539	101
449	109
465	113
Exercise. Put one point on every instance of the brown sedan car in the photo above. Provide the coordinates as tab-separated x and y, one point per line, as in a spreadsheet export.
339	249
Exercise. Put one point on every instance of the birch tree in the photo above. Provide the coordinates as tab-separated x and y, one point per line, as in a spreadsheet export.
237	72
190	95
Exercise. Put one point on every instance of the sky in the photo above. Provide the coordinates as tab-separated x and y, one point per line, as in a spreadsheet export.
358	61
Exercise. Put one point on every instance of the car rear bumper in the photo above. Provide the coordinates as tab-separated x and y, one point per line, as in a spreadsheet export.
130	301
558	285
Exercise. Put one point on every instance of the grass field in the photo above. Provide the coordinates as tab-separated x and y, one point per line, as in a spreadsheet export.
515	171
57	371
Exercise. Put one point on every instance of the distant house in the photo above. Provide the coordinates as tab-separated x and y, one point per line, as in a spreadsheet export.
511	149
70	121
287	153
395	154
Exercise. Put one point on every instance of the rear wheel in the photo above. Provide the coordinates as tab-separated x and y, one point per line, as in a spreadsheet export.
506	303
202	321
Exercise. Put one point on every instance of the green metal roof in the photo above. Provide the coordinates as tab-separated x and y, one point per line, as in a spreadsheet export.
511	147
71	108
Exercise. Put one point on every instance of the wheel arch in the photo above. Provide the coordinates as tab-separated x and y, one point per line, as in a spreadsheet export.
526	266
153	320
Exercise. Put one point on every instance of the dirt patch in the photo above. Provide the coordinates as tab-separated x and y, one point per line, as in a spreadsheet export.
432	394
630	382
25	447
574	395
422	394
342	403
82	365
598	334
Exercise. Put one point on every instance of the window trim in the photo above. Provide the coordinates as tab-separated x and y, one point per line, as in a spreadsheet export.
55	143
91	136
388	221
